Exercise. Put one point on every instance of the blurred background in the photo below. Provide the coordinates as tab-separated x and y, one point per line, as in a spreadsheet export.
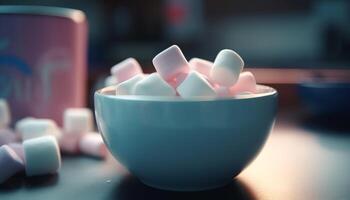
282	34
299	47
284	43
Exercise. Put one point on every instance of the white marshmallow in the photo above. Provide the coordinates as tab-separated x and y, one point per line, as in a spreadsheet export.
92	144
195	85
170	62
29	128
5	115
7	136
153	85
226	68
42	156
202	66
127	87
246	83
111	80
10	163
77	120
126	69
19	123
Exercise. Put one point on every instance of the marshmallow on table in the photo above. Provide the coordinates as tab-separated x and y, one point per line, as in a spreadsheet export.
10	163
18	148
77	120
200	65
153	85
226	68
111	80
42	156
126	69
7	136
92	144
246	83
30	128
69	143
127	87
195	85
5	116
170	64
19	123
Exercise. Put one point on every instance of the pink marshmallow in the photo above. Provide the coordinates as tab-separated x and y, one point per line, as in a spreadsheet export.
170	63
69	143
18	148
202	66
222	91
92	144
126	69
246	83
7	136
10	163
177	80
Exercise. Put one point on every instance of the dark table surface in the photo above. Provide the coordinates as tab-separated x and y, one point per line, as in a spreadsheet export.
298	162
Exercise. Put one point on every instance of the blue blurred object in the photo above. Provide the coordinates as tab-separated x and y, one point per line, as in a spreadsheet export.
325	98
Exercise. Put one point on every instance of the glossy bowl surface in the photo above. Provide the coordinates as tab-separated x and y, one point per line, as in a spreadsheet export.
185	145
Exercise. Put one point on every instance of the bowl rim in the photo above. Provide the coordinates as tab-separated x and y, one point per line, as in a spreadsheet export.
267	91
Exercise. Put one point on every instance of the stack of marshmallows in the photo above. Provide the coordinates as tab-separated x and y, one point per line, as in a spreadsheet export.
35	145
175	76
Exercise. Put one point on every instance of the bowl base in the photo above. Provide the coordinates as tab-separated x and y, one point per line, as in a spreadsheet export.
185	188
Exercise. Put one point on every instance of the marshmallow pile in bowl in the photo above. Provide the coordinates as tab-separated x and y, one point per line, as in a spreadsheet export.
175	76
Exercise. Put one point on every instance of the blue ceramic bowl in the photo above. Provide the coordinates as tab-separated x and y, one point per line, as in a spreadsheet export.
185	145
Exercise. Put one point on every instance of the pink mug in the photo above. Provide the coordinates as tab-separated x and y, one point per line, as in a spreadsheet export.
42	60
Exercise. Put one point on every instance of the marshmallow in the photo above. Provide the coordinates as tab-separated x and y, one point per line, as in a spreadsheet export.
7	136
30	128
42	156
77	120
153	85
111	80
246	83
92	144
127	87
222	91
69	143
126	69
5	116
20	123
226	68
177	80
171	62
18	148
200	65
195	85
10	163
